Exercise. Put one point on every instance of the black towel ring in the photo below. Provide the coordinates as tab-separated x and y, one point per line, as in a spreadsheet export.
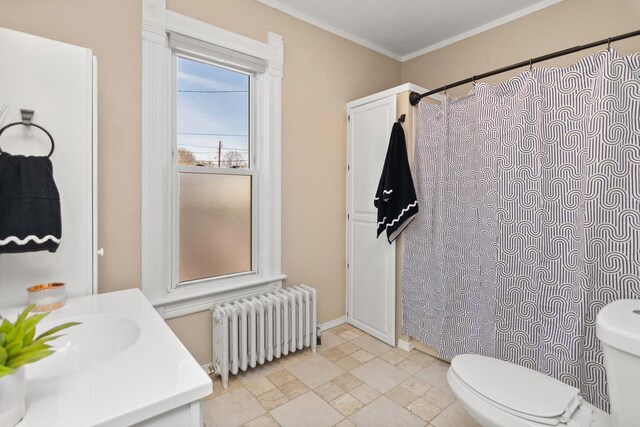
26	121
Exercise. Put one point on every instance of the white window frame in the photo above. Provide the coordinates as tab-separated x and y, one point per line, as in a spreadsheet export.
255	82
159	277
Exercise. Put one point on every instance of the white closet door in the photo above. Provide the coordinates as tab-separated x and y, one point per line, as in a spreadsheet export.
371	260
57	81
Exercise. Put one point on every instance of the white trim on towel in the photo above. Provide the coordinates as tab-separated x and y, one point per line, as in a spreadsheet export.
402	227
402	213
31	237
383	191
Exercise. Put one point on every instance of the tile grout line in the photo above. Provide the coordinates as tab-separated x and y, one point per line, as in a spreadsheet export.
411	384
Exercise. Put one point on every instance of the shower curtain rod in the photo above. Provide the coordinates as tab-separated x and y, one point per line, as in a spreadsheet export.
415	97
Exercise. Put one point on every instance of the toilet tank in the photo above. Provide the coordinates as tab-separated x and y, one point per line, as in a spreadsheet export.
618	328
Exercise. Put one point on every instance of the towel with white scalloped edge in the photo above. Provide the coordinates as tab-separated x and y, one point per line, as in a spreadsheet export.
395	198
30	218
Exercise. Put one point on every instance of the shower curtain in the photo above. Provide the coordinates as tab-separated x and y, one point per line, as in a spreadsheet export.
529	222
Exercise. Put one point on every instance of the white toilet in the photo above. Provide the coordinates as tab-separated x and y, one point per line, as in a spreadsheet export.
501	394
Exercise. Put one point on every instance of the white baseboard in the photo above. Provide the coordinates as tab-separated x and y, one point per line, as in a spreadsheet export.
333	323
405	345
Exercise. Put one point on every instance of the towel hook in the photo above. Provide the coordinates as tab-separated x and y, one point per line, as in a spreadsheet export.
27	117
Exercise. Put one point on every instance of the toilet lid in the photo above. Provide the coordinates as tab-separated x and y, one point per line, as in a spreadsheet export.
516	388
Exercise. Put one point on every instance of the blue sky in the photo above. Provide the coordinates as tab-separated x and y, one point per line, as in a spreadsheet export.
225	114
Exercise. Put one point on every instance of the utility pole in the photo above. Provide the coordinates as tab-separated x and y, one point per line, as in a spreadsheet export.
219	152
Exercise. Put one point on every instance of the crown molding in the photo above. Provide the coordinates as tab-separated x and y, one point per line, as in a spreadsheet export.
481	29
276	4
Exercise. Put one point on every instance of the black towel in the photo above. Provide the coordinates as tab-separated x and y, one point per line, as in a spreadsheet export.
29	205
396	196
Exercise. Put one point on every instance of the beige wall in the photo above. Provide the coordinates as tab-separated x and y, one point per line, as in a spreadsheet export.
322	73
195	332
566	24
112	29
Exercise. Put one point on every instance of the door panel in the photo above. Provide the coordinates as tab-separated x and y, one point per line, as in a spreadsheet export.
371	270
371	132
370	265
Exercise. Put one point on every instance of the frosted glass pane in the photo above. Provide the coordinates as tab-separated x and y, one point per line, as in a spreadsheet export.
215	225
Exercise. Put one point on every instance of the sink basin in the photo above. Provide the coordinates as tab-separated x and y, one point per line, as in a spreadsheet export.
99	338
120	367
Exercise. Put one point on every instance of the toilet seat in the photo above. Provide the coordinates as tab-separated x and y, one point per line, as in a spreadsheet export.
521	392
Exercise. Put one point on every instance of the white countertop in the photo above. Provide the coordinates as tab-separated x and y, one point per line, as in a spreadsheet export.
154	375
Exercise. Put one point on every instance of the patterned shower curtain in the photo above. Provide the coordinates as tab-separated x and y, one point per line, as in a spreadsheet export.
529	222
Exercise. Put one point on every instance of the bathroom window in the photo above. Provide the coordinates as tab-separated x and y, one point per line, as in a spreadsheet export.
215	179
211	129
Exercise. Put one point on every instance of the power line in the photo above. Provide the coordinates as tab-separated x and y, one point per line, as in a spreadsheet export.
213	150
203	146
210	134
212	91
199	148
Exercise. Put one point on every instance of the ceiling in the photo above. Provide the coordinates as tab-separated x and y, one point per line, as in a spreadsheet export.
404	29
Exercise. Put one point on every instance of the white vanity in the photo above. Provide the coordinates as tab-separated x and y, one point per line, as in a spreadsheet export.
122	366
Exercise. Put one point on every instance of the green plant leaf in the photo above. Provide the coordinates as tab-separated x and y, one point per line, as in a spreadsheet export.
17	344
24	314
12	333
6	326
30	349
4	370
31	357
19	335
57	329
45	339
13	347
30	327
28	336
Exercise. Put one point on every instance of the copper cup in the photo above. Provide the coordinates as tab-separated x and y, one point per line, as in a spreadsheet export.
47	296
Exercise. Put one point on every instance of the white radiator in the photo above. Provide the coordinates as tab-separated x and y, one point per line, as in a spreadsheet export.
255	329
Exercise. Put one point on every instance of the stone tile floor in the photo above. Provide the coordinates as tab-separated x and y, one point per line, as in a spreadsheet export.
352	380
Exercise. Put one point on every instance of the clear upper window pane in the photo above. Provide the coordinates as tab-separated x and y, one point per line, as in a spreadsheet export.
212	115
215	225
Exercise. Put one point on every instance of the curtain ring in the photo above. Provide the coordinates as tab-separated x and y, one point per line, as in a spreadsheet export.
445	89
474	81
530	65
609	44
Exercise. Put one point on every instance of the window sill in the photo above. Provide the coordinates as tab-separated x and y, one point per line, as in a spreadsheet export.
188	300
